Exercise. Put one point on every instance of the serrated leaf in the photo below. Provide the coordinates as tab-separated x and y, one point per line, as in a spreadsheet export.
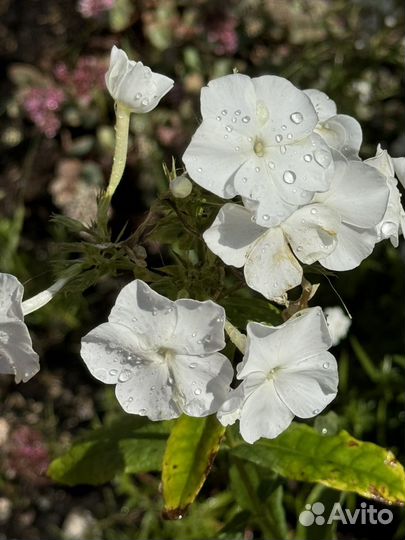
340	462
129	444
191	449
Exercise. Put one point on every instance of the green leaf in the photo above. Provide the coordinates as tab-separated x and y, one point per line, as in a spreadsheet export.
340	462
191	449
129	444
242	309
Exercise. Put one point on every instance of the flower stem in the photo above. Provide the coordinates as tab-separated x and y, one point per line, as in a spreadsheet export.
122	114
237	338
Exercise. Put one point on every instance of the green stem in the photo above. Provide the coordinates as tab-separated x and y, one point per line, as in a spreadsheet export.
122	114
265	521
237	338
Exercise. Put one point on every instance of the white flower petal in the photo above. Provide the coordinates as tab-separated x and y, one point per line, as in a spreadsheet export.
338	323
290	113
353	246
354	135
382	162
263	414
324	106
232	233
230	101
149	315
302	336
11	293
358	193
399	166
199	328
202	383
109	349
271	268
392	223
17	356
149	393
230	409
134	84
307	387
311	232
212	160
332	132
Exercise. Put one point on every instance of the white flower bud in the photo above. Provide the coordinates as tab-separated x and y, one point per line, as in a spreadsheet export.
133	84
181	187
338	323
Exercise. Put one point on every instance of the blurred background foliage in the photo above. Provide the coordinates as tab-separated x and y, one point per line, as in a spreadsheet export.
56	140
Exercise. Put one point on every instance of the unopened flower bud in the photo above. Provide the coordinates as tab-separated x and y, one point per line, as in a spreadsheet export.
181	187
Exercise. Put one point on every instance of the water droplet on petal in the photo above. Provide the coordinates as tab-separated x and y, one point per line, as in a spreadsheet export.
138	95
218	118
199	341
323	158
244	179
283	149
299	248
315	411
113	372
237	148
145	102
307	158
142	412
271	164
152	388
229	128
238	112
125	375
289	177
257	169
296	117
253	219
199	169
170	380
193	334
226	136
279	138
289	136
197	391
388	228
314	211
224	112
207	338
246	119
325	365
283	127
192	365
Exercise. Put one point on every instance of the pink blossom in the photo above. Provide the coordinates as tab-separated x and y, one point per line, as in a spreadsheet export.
27	455
84	79
42	106
93	8
223	36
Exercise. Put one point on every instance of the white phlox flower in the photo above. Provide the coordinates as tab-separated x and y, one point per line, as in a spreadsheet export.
133	84
393	221
286	372
338	323
257	140
161	355
340	131
337	229
17	356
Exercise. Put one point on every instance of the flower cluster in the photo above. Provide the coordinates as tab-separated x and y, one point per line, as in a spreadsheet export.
307	197
42	106
94	8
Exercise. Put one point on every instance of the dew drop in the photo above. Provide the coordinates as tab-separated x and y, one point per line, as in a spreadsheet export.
192	365
142	411
246	119
238	112
266	217
325	365
229	128
244	179
170	380
307	158
289	177
145	101
296	117
207	338
388	229
271	164
154	312
257	169
152	388
283	127
113	372
224	112
283	149
237	148
226	136
279	138
199	341
253	219
138	95
299	248
199	169
125	375
193	334
289	136
219	118
315	411
197	391
314	211
323	158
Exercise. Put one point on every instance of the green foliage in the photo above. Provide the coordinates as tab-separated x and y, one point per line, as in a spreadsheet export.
339	461
191	450
129	445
